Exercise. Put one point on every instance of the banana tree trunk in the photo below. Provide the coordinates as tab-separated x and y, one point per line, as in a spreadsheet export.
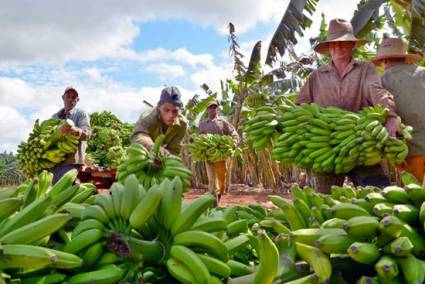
239	105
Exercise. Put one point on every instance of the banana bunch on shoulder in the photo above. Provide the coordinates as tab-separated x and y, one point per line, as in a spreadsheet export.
212	148
46	146
334	140
261	128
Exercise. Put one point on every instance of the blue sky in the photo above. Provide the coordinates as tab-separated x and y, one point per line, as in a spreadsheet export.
116	55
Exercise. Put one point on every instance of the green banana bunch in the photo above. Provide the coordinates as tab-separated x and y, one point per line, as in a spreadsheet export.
46	146
212	148
136	234
334	140
261	127
151	168
137	225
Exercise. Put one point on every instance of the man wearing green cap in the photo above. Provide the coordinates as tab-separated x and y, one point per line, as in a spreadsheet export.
166	119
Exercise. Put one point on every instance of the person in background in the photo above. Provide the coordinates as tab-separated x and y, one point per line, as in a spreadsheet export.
81	129
166	119
216	172
406	81
351	85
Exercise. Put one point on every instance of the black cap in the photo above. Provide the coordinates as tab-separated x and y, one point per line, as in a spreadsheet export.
171	95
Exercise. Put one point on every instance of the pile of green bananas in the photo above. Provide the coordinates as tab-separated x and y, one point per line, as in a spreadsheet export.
32	218
152	168
333	140
366	235
212	148
46	146
261	128
151	236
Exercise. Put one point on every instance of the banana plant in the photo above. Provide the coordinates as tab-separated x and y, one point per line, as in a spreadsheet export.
404	17
9	173
293	21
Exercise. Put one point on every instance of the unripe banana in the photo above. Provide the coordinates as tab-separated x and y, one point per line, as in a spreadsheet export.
191	260
365	253
109	274
204	241
35	231
269	260
318	261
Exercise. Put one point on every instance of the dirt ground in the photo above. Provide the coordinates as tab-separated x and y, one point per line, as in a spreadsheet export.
239	195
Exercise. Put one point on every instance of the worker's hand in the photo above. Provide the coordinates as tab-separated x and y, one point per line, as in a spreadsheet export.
163	151
392	126
148	145
71	130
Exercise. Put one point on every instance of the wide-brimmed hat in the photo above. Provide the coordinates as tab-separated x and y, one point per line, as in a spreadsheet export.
339	30
394	48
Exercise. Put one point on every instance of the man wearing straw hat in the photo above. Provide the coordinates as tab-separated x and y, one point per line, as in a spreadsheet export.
406	81
350	85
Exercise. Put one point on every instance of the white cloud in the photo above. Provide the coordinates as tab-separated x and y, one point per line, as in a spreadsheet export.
166	71
14	128
212	76
94	74
331	9
180	55
15	92
54	31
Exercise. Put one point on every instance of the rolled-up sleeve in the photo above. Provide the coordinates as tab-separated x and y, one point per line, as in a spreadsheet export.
376	93
141	131
84	125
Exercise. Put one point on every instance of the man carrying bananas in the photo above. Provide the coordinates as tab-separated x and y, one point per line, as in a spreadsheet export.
216	171
165	119
350	85
81	129
406	81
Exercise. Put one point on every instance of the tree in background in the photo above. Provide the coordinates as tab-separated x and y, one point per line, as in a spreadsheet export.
9	173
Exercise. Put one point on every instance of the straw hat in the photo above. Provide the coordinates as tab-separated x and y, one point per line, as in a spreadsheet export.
394	48
339	30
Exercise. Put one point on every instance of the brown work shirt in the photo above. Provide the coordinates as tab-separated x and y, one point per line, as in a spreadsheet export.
218	126
358	87
407	83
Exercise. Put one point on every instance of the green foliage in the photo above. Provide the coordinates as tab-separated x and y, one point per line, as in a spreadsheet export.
109	138
9	173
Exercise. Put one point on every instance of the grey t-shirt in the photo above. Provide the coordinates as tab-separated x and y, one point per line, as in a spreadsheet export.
407	84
